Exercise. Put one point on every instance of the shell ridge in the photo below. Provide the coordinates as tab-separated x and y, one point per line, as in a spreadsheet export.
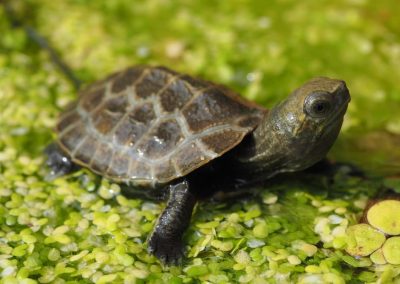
152	173
130	91
103	101
205	149
194	137
178	171
131	98
68	128
196	93
185	147
186	141
94	155
157	107
66	149
63	116
110	162
132	162
67	113
100	84
185	129
152	126
160	116
90	128
80	143
177	116
155	99
127	148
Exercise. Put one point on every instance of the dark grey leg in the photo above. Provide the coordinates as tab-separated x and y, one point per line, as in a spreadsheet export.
166	240
58	162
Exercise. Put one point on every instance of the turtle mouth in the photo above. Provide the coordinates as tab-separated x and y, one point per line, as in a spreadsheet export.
335	121
339	113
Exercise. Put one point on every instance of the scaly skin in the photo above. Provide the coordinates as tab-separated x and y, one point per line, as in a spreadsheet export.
292	137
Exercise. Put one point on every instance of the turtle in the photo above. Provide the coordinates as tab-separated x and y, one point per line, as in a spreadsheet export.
157	130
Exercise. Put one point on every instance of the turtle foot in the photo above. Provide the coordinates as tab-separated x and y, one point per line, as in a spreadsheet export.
168	251
59	163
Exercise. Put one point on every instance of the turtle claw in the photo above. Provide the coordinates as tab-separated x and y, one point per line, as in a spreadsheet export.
170	252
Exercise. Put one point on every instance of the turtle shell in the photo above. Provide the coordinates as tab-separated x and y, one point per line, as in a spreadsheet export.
150	125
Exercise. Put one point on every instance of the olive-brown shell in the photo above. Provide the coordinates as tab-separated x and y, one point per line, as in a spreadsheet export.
150	125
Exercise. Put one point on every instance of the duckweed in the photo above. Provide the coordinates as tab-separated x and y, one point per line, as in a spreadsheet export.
83	229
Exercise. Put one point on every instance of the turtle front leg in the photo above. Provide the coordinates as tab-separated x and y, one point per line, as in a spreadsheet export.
166	240
59	163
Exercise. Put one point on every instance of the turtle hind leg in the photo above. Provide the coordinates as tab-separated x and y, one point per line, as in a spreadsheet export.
59	163
165	241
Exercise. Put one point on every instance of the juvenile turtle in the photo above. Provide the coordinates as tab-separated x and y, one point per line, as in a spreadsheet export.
161	131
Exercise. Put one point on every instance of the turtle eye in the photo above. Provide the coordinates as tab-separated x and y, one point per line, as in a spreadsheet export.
318	105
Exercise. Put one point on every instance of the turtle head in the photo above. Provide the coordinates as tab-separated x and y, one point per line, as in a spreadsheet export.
309	120
299	131
316	108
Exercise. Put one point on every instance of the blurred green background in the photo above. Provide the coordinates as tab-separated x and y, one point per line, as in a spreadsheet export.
261	49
